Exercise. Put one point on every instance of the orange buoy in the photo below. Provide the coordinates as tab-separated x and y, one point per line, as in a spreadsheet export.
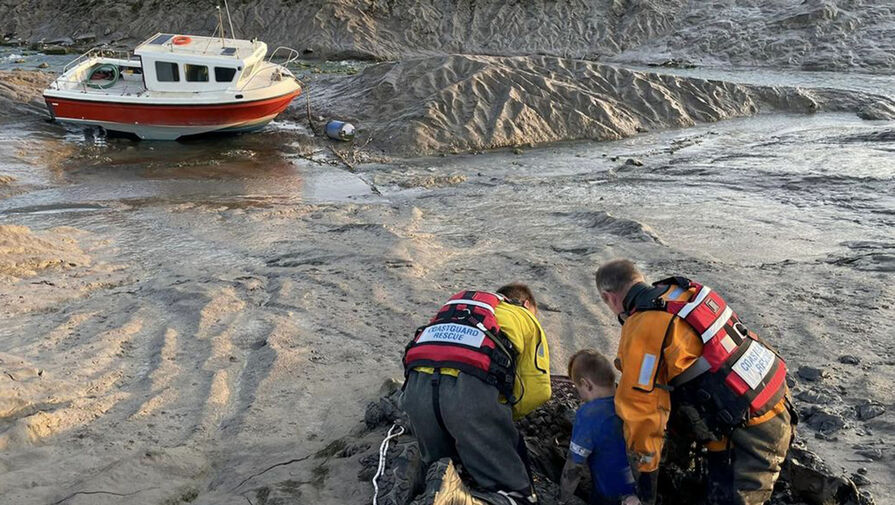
181	40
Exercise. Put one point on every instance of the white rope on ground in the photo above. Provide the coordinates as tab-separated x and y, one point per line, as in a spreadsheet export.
383	451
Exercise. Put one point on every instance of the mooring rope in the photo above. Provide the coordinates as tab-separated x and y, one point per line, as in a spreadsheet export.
383	451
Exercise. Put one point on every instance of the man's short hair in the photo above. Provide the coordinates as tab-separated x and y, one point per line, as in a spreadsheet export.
592	364
616	275
519	293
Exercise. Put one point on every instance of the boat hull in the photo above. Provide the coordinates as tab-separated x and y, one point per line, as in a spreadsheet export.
166	121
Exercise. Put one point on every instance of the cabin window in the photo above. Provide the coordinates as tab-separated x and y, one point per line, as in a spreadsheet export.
195	73
167	72
224	74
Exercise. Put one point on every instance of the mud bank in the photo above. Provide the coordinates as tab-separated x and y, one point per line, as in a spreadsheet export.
830	34
241	304
20	91
464	103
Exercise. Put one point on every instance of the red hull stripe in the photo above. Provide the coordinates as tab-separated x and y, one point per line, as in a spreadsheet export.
169	115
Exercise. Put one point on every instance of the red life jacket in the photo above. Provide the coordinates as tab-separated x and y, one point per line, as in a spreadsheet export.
465	335
737	376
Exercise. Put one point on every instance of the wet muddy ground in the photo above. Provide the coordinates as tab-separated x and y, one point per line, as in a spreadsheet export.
247	295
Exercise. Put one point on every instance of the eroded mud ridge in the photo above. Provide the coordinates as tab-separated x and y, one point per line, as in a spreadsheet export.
829	34
465	103
805	478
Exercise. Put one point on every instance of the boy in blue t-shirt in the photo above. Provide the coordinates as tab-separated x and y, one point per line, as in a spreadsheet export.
597	439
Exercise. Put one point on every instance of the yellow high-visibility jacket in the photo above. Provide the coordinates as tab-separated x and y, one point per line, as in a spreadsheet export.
643	407
532	387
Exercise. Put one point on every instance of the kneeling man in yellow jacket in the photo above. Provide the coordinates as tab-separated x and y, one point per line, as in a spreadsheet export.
480	363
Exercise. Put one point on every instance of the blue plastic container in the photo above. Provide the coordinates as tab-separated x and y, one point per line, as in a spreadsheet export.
340	130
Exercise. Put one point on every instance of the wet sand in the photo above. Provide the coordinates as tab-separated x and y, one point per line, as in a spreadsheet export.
205	321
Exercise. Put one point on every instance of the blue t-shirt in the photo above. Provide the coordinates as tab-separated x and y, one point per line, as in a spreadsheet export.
597	438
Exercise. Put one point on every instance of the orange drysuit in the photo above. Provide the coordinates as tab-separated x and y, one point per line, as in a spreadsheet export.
655	347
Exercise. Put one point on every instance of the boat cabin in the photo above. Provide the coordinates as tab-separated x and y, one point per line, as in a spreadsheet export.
195	64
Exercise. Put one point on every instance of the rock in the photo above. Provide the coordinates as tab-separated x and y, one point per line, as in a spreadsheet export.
869	410
385	412
390	386
404	474
871	453
860	480
44	65
825	422
633	162
19	60
61	41
811	374
811	480
54	50
352	449
818	396
848	359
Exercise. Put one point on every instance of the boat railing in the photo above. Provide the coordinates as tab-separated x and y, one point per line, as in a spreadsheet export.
124	89
97	52
290	55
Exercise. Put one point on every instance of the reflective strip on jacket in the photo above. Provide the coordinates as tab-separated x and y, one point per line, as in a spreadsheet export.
532	387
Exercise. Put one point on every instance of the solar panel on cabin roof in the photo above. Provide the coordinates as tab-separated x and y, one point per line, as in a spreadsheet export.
161	39
227	51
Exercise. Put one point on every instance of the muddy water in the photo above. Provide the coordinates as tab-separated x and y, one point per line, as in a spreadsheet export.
792	215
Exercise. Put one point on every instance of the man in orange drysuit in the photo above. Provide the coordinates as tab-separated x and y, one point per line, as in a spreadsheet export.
683	350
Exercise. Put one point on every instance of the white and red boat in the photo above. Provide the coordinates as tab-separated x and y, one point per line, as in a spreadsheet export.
175	85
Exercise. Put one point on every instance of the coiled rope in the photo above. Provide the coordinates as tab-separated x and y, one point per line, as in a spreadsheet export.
383	451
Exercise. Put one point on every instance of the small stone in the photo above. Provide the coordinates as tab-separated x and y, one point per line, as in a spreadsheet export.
389	386
862	470
825	422
54	49
517	150
818	397
869	410
848	359
811	374
633	162
860	480
44	65
871	453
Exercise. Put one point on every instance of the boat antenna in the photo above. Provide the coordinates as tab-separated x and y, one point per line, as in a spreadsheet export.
221	25
227	7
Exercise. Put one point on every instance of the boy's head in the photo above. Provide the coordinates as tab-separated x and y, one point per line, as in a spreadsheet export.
521	294
592	374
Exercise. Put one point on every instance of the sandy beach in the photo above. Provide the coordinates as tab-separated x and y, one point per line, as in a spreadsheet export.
205	321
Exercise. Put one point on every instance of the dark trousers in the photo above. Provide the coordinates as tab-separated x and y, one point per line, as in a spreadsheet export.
474	429
745	473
